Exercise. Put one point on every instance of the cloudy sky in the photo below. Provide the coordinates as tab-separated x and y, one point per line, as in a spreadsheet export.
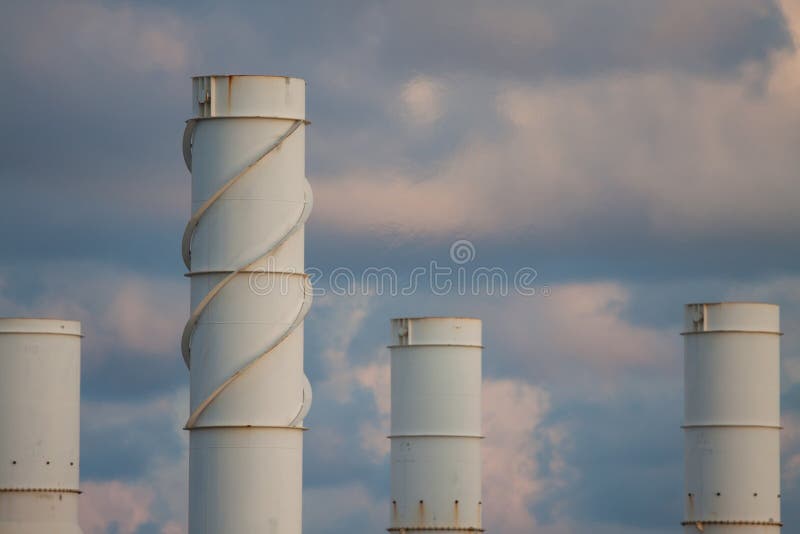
637	155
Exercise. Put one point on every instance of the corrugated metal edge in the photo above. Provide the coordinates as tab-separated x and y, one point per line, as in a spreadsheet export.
771	332
276	76
40	490
458	345
35	325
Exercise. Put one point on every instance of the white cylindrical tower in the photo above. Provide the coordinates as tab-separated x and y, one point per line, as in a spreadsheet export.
40	382
243	343
436	425
732	418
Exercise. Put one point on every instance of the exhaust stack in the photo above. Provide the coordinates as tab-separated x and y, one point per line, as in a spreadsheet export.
436	425
732	418
243	344
40	382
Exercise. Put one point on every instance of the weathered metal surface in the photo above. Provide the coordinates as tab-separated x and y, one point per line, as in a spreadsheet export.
732	417
434	529
39	490
739	523
436	425
39	426
244	344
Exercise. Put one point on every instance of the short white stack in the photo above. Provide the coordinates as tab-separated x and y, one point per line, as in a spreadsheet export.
436	425
732	418
40	389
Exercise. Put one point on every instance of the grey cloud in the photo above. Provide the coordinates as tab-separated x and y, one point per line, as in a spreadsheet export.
91	168
131	323
578	38
95	128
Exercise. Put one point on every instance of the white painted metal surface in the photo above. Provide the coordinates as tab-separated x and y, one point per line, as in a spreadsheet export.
436	425
40	364
244	340
732	418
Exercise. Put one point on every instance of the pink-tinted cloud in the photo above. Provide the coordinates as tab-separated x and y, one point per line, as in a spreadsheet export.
126	37
144	315
580	333
513	412
790	445
423	100
104	505
118	309
664	154
158	494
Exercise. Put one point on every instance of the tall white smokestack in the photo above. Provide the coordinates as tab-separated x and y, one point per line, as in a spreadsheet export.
40	389
244	247
436	425
732	418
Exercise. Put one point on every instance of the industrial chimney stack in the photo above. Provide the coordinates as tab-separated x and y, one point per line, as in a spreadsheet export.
436	425
732	418
40	390
244	247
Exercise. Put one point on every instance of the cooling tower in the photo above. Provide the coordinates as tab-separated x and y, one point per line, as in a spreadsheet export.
40	382
732	418
436	425
244	247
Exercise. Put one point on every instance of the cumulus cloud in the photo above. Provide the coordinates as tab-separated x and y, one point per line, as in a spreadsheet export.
343	322
158	500
144	315
69	34
375	378
114	505
84	76
516	436
540	39
655	120
344	378
581	334
423	99
118	309
146	435
648	154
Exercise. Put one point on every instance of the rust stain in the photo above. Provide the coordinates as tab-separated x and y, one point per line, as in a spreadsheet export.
455	512
394	510
230	93
421	511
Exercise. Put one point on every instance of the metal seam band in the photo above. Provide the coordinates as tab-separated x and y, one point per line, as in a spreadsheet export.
439	529
771	332
733	522
268	117
214	427
712	425
459	345
249	271
40	333
40	490
241	266
401	436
